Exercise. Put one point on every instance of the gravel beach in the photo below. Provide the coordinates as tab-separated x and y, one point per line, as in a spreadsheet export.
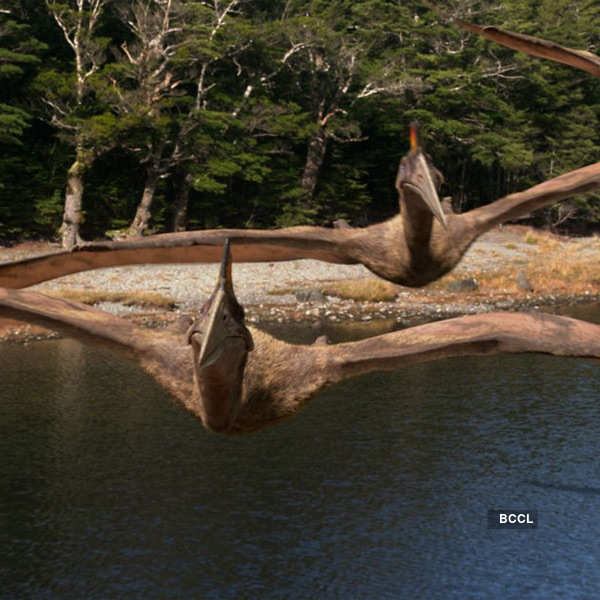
189	285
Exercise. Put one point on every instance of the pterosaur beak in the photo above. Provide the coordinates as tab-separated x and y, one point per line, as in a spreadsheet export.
415	173
216	325
428	190
215	334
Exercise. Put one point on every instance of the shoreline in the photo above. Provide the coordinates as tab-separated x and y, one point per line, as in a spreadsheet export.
313	316
558	271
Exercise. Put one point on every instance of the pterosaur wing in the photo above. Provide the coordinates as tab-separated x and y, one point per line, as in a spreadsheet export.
250	245
580	59
163	353
490	333
72	318
520	204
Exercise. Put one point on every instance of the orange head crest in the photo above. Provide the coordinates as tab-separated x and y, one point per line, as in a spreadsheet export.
414	136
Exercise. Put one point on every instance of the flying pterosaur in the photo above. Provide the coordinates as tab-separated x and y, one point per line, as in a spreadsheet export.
415	247
580	59
239	379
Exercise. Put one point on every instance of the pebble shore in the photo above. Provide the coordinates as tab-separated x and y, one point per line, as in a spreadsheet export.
190	285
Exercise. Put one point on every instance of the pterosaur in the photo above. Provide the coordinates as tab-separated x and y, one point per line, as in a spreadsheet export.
238	379
415	247
580	59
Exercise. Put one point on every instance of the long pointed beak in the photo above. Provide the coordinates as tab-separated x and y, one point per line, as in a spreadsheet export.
428	192
420	179
216	332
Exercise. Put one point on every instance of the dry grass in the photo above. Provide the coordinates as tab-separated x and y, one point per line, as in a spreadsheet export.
531	239
147	299
554	277
367	289
552	269
553	266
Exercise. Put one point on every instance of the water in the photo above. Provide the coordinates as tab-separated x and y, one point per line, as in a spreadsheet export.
379	489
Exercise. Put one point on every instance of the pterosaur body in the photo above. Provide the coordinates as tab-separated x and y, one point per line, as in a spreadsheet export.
238	379
415	247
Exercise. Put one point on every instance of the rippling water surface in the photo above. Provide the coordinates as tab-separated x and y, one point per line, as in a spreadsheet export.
379	489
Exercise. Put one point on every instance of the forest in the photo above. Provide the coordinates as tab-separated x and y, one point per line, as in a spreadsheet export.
125	118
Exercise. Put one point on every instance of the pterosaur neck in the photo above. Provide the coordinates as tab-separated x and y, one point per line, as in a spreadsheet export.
219	398
219	386
417	221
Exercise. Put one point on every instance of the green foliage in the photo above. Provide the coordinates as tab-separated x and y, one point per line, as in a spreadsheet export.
48	211
293	212
234	99
33	177
13	121
19	57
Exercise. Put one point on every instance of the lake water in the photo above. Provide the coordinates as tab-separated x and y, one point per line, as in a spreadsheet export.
379	489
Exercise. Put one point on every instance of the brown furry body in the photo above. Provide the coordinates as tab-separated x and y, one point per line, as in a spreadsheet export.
276	379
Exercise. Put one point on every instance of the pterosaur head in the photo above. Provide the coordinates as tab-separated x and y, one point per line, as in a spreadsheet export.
417	175
220	341
221	319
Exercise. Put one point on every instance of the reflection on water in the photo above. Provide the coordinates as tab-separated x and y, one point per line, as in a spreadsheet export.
379	488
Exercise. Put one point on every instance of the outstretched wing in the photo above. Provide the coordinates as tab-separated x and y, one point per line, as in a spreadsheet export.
520	204
164	354
73	319
580	59
490	333
320	243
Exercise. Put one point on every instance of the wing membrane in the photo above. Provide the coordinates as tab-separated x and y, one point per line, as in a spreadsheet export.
186	247
580	59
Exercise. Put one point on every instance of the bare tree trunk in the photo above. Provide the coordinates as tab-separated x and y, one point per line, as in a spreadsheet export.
317	147
143	214
182	196
72	216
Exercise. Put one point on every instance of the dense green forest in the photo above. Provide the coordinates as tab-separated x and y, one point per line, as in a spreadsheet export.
128	117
